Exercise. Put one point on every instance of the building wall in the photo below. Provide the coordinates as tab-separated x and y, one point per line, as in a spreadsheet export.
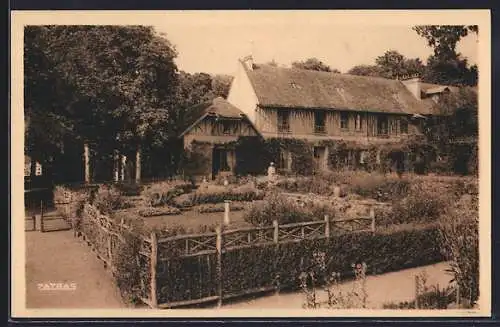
241	93
212	131
302	125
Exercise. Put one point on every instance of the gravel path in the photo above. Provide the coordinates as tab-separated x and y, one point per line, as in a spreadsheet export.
390	287
58	257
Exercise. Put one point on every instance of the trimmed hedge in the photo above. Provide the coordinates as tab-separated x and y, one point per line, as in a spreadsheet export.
190	278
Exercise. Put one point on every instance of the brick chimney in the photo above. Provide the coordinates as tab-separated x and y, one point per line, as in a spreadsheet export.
247	62
413	84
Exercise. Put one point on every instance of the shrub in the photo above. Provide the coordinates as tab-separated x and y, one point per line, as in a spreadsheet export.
70	202
459	231
421	205
315	184
129	189
261	266
130	267
158	211
432	298
108	199
285	211
182	201
218	194
163	193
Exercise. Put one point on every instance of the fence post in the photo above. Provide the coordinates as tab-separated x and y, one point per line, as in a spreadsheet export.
34	222
458	296
218	230
372	216
41	217
327	226
154	261
417	293
276	231
226	212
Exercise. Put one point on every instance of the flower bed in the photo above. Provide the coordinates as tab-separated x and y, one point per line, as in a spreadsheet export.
218	194
164	192
218	207
158	211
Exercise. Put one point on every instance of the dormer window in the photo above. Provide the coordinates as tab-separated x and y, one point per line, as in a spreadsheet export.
226	127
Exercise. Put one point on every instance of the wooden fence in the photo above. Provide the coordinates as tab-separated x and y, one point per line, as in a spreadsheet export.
222	241
104	235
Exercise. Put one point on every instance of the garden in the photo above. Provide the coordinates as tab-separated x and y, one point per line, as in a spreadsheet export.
275	232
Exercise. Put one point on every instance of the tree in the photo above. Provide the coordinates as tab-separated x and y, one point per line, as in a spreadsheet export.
313	64
391	65
112	85
221	85
446	66
444	38
394	65
366	70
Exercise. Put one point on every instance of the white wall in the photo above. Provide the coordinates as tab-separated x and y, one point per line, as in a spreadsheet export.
242	95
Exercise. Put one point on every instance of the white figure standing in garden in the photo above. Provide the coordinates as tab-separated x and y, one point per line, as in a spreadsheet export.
271	174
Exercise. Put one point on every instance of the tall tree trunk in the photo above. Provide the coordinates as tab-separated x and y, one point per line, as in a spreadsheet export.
116	166
138	164
86	156
124	163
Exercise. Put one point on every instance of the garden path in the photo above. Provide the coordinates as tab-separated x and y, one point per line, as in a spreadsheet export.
390	287
58	257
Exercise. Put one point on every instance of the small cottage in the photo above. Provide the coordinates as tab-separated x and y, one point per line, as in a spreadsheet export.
211	131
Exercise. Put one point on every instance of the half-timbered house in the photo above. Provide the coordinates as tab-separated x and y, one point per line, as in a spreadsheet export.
216	125
315	106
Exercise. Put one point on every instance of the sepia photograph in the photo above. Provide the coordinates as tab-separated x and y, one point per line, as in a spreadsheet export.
253	163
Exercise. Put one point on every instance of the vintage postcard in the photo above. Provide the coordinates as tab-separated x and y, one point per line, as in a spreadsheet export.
251	163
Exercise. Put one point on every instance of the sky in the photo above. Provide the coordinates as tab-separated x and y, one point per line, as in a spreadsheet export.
213	45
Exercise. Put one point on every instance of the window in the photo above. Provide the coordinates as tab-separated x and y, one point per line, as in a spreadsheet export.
226	127
319	121
403	126
344	120
357	123
382	125
283	121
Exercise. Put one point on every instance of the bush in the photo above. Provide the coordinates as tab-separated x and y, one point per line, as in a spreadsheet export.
182	201
130	267
285	211
261	266
108	199
218	194
431	298
315	184
459	230
421	205
163	193
129	189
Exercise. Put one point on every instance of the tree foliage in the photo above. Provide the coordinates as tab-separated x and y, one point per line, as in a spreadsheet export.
391	64
446	65
313	64
104	84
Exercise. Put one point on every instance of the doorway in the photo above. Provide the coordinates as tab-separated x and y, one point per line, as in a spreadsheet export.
219	161
319	153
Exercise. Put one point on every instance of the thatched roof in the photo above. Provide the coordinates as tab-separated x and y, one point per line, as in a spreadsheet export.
297	88
218	107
